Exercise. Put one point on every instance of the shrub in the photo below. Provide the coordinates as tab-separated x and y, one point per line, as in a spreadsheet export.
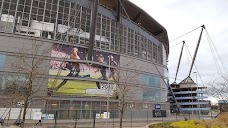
186	124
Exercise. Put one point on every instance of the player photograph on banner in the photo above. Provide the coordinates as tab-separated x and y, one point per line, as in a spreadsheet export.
70	67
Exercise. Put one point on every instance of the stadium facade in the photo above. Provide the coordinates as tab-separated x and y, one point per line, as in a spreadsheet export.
125	37
190	97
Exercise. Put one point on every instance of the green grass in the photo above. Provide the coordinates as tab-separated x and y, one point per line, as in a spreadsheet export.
72	86
75	87
215	110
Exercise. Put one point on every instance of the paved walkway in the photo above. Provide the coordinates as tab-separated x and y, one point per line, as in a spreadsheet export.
9	126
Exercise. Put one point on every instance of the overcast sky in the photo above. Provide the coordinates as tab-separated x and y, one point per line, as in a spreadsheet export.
181	16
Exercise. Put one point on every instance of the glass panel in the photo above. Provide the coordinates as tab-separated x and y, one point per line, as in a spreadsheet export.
152	94
53	104
152	81
2	62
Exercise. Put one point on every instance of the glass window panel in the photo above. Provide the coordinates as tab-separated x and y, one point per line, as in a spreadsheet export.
152	81
53	104
2	62
6	5
152	94
28	2
13	7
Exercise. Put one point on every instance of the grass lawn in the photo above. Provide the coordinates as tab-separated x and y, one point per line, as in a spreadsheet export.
72	86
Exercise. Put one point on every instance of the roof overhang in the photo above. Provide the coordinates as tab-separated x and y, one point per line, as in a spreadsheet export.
138	15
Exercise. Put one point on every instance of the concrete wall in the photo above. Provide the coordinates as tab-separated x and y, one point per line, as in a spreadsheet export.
16	48
13	113
138	68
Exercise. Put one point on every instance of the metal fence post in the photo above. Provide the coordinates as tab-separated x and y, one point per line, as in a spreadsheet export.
76	116
113	119
176	116
68	113
131	118
147	117
56	114
94	118
8	117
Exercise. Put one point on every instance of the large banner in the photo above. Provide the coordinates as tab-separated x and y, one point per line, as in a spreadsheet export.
99	71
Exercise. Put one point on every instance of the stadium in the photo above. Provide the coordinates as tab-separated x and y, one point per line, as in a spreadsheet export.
129	49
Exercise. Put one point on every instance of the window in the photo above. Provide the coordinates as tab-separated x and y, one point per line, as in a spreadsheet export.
152	94
155	52
160	56
152	81
2	62
144	47
136	45
69	21
150	50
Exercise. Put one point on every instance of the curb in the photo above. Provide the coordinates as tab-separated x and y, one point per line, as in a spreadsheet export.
147	126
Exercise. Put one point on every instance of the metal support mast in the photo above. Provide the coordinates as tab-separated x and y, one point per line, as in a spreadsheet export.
197	47
93	30
117	10
179	61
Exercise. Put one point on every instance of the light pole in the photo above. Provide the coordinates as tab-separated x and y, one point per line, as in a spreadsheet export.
198	95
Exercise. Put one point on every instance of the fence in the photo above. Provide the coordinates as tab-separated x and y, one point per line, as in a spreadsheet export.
93	119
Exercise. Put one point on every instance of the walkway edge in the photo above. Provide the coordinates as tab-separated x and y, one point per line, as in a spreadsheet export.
147	126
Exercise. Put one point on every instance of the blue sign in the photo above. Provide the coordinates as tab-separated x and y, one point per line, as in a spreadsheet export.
158	106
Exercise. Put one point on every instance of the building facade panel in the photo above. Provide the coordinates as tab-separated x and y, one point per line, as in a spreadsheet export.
63	27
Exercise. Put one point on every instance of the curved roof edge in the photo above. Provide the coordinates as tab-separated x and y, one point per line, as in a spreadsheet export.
138	15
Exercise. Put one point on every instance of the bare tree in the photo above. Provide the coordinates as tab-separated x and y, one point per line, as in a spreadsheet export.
128	84
219	89
29	65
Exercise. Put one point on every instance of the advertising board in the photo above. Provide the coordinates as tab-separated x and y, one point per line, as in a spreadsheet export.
66	62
